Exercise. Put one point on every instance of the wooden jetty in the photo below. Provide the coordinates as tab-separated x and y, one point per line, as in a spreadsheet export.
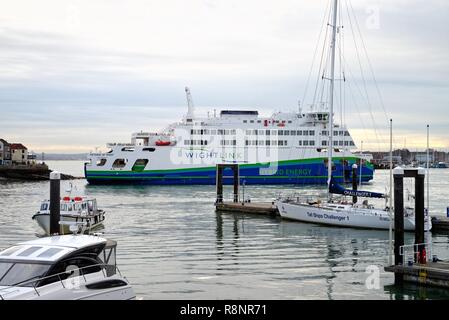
428	274
419	268
440	224
264	208
236	206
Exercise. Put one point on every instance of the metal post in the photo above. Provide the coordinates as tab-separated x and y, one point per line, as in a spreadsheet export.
235	169
354	182
419	213
398	174
361	161
219	184
390	205
55	202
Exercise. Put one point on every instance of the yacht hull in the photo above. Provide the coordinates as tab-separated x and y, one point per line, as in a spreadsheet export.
362	218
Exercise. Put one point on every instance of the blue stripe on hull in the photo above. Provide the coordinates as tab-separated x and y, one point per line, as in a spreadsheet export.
315	173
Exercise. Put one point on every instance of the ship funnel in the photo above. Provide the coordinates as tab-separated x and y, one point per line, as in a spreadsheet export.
191	109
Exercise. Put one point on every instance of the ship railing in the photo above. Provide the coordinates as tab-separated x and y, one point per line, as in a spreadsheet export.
72	274
410	252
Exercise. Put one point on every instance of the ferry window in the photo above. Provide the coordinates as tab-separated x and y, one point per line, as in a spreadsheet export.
260	132
267	132
69	207
335	133
20	273
248	132
274	143
293	133
44	206
340	143
259	121
140	165
246	142
335	143
298	132
267	143
119	163
346	143
311	132
351	143
289	121
285	142
186	142
255	132
311	143
101	162
281	132
234	142
233	131
251	121
245	121
280	142
90	204
286	133
324	143
341	133
324	133
213	132
305	133
274	133
261	143
153	149
300	142
127	149
191	131
305	142
346	133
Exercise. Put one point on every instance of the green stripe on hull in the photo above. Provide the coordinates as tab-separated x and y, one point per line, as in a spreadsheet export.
252	165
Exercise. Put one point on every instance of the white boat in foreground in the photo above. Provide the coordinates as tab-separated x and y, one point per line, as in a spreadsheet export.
82	210
67	267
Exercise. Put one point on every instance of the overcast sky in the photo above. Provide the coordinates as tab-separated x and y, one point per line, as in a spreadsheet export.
77	74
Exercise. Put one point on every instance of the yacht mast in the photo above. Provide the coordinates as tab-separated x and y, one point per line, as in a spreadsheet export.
427	173
390	198
331	98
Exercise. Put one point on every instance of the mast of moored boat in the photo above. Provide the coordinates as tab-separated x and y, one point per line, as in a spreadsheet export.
427	170
331	99
390	206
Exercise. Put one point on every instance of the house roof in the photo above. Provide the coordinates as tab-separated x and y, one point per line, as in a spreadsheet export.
4	142
18	146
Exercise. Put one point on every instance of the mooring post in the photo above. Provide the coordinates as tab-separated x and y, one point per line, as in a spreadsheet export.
55	202
354	181
419	214
219	184
398	176
235	169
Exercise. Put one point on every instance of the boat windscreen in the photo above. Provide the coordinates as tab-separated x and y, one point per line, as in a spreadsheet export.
19	273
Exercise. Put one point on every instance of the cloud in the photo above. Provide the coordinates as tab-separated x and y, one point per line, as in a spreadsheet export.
114	67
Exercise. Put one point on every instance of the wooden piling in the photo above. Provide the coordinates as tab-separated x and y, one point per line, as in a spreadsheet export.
398	176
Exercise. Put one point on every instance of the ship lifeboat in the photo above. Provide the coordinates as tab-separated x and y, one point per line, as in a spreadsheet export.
162	143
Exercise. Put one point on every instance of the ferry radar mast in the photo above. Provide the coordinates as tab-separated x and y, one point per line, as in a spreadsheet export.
191	109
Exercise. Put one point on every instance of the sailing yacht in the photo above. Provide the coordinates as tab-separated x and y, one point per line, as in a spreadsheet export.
340	212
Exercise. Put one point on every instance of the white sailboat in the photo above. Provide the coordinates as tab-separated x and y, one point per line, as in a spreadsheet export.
340	212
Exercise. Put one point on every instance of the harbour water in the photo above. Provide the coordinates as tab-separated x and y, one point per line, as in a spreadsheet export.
173	245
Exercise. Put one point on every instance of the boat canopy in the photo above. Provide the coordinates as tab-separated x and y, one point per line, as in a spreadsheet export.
338	189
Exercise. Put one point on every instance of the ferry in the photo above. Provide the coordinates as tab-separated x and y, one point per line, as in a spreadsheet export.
284	148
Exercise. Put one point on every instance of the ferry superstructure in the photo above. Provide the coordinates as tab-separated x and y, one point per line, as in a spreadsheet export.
285	148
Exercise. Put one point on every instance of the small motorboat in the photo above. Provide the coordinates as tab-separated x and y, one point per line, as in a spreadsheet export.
67	267
73	209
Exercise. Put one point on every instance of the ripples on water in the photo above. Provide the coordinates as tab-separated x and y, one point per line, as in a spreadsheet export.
173	245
